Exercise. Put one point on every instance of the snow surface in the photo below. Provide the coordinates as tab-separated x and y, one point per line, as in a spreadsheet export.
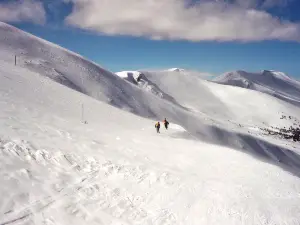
115	169
270	82
129	75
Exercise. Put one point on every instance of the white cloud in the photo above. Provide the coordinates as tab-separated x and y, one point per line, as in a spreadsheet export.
22	10
171	19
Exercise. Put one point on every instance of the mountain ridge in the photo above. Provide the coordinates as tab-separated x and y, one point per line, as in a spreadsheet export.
271	82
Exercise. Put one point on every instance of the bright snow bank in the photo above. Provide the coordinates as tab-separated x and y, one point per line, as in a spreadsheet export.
270	82
132	76
115	169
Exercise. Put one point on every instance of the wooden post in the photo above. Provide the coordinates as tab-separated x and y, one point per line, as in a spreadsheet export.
15	60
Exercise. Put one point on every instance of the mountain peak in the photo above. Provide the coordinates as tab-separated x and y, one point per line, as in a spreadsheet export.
175	70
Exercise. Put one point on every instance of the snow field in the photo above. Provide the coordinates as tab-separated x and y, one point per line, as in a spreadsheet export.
115	169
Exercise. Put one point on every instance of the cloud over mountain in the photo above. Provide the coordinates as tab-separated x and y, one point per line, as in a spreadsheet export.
184	20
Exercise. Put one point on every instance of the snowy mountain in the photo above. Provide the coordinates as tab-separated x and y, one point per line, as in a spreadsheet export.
212	101
270	82
175	70
214	165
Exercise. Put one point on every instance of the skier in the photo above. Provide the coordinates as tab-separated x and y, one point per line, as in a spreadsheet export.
157	126
166	123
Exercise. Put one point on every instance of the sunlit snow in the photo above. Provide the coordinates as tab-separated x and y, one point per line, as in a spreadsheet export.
78	145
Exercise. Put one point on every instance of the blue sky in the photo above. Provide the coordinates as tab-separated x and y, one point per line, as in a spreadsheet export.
202	35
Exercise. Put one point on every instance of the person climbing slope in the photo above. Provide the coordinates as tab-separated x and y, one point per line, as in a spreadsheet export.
166	123
157	126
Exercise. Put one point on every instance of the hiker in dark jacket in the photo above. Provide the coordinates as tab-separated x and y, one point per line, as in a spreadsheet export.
166	123
157	126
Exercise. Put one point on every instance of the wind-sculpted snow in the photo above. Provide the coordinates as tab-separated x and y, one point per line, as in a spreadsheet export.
68	157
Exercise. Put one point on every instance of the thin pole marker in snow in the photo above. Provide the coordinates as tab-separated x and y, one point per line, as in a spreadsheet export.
82	110
82	114
15	60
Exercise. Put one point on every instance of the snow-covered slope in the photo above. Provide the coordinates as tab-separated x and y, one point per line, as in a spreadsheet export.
73	71
270	82
115	169
216	102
